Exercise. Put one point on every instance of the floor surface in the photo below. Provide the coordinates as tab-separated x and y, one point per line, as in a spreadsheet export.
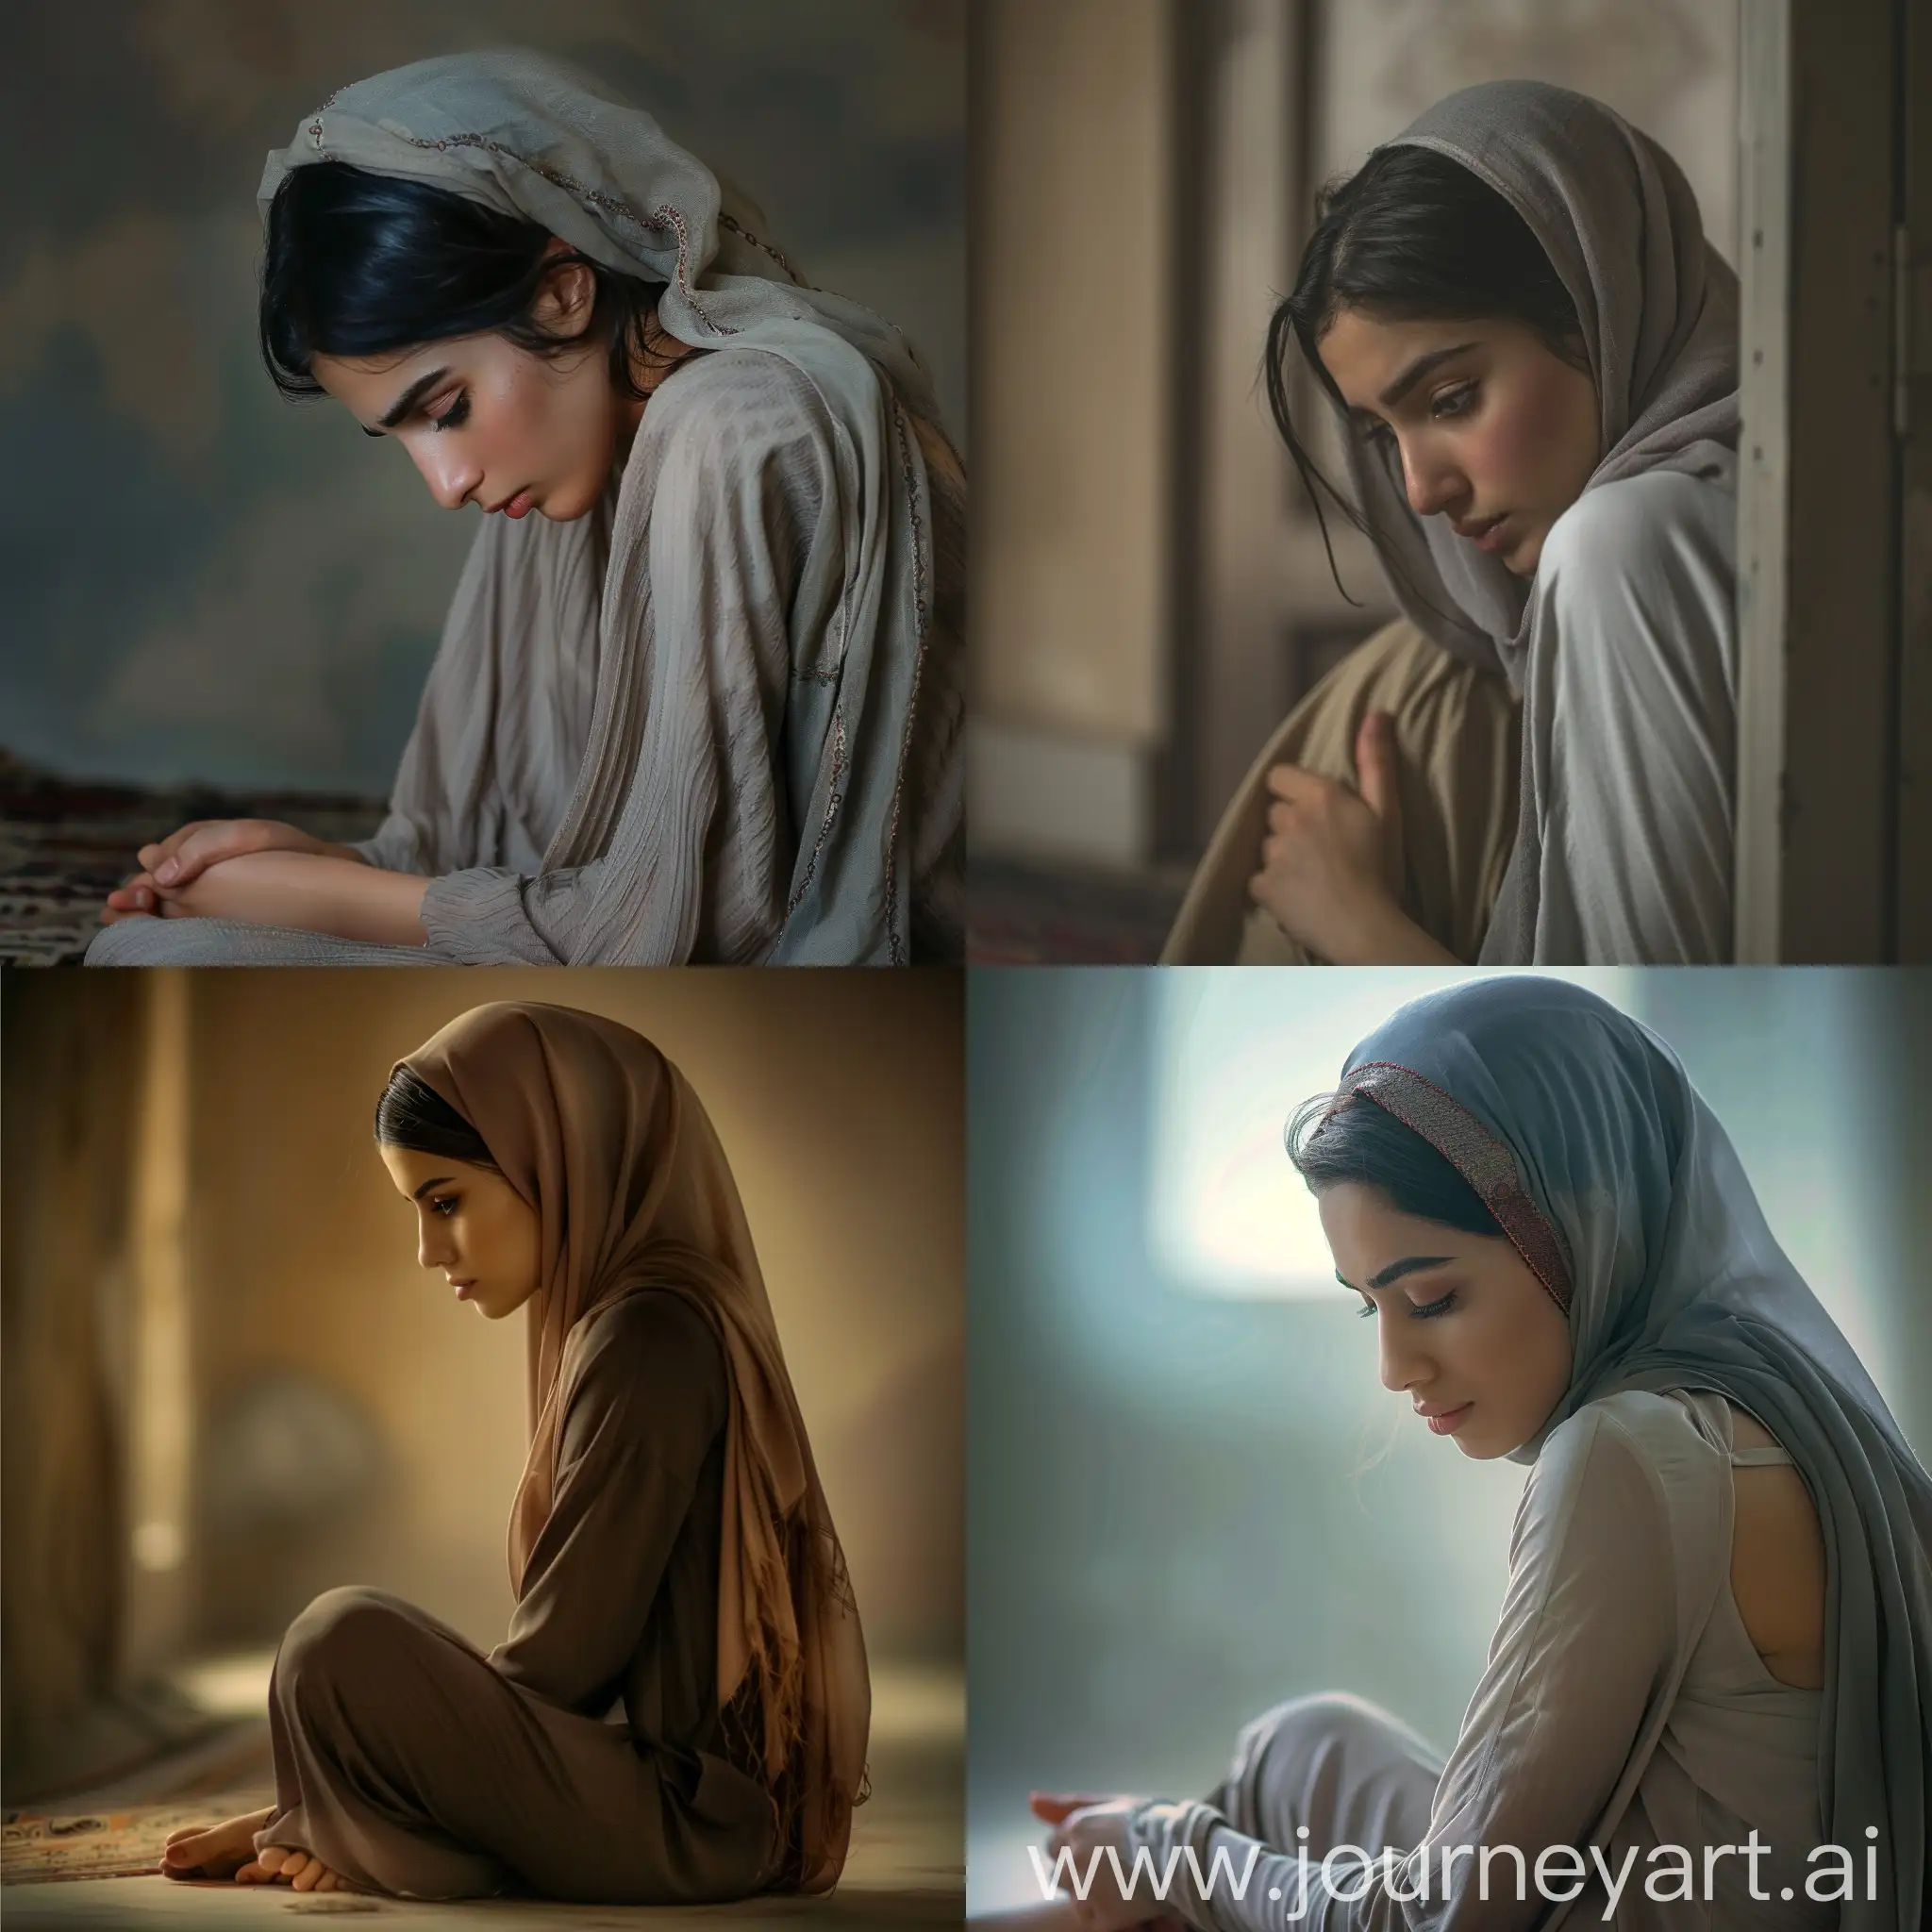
906	1868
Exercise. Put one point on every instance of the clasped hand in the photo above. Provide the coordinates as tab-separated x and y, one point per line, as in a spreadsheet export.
170	866
1331	862
1085	1828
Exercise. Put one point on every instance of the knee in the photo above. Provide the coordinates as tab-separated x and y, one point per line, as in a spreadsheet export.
339	1634
1303	1728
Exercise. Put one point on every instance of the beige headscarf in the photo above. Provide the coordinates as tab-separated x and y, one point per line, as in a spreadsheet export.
605	1137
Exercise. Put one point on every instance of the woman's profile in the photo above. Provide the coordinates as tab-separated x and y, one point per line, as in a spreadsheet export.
699	692
1532	353
1706	1697
679	1710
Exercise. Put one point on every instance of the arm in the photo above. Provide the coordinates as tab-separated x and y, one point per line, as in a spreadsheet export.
310	892
1586	1637
722	567
1639	763
644	1410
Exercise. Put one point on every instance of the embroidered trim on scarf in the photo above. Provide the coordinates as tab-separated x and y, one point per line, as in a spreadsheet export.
1478	1156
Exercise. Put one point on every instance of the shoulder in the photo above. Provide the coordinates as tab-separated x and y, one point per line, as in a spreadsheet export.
1645	532
647	1349
1632	1459
734	406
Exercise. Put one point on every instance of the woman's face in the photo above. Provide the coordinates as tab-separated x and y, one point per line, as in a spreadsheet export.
1494	431
474	1225
1467	1332
490	423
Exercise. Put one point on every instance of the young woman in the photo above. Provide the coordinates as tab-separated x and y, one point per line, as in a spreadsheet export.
699	693
679	1710
1533	353
1718	1615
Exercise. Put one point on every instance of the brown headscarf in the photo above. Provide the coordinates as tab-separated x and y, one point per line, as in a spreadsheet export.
606	1140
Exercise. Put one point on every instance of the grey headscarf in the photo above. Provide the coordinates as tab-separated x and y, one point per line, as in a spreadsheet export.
1582	1132
1658	310
532	137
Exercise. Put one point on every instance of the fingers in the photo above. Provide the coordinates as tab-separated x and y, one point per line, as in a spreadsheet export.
1052	1808
308	1874
1375	763
275	1859
253	1874
194	848
151	855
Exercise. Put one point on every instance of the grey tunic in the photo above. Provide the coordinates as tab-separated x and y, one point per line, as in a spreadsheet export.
1619	1578
725	536
412	1764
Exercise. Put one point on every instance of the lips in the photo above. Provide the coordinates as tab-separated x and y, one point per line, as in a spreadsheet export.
1476	532
462	1289
1443	1422
517	506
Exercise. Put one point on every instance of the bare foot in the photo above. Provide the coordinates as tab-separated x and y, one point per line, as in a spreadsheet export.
214	1851
291	1865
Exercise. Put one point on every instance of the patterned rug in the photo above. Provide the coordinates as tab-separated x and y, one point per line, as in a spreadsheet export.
39	1847
66	843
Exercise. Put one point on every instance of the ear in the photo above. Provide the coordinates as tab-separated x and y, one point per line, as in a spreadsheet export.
568	292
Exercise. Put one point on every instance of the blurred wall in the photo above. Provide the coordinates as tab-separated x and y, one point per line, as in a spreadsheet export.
204	582
1187	1506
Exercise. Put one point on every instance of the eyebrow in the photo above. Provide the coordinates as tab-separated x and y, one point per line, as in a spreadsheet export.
1417	370
1409	1264
407	402
438	1181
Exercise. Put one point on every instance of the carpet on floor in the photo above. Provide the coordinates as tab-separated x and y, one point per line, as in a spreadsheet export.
38	1847
66	844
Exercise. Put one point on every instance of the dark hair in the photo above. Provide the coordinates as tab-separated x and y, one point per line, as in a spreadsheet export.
360	264
1331	1141
1411	236
413	1115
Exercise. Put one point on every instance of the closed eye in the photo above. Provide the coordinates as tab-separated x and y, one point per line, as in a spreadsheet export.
1422	1312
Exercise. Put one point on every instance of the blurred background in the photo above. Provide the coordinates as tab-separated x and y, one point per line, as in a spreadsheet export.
228	1386
1189	1495
206	584
1150	591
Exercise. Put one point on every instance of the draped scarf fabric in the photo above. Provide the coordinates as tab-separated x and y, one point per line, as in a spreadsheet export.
606	1140
1658	310
1614	1180
532	137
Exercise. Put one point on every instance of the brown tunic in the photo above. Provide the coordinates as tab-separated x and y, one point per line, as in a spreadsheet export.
412	1764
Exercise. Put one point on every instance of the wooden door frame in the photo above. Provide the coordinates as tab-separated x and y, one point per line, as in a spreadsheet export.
1823	846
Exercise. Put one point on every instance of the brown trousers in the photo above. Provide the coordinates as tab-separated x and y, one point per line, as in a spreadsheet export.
1457	737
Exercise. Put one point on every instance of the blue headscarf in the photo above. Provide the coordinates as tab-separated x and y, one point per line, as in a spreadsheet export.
1582	1132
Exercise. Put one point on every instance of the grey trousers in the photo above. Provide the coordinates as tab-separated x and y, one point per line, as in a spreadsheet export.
405	1762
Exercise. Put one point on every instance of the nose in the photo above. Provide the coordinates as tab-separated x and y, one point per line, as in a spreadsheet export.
1403	1362
452	476
433	1246
1432	481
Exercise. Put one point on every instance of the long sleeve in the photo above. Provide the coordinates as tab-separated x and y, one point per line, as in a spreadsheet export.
722	579
1587	1641
646	1404
1639	765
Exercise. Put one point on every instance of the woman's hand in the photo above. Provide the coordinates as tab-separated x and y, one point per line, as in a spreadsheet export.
183	856
1332	863
312	892
1085	1827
